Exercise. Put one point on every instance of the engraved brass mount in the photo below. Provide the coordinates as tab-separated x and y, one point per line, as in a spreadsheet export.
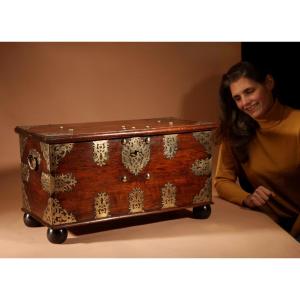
100	152
202	167
136	201
168	195
54	214
53	154
205	139
102	205
170	145
205	194
23	141
25	172
57	183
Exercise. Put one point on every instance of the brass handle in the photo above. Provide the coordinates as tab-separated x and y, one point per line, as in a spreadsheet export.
32	162
33	159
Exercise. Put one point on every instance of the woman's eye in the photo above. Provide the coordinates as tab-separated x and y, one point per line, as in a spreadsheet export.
249	91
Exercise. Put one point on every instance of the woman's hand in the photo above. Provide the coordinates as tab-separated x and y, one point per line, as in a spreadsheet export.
259	197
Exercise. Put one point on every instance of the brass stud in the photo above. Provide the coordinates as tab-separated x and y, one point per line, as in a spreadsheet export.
148	176
147	140
124	178
124	141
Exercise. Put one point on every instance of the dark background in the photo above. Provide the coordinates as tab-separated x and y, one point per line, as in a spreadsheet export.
282	59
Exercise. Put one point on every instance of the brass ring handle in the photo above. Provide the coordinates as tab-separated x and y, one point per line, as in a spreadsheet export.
32	162
33	159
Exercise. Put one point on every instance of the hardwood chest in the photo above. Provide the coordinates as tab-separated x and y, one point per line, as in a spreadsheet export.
76	174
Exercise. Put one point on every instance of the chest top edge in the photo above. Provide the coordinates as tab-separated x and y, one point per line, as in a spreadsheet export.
81	132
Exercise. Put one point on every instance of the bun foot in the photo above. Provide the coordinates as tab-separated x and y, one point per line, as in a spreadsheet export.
30	221
57	236
202	212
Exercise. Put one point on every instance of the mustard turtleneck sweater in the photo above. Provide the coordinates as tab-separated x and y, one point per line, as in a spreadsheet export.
274	162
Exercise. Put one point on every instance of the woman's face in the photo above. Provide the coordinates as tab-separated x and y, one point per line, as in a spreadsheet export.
253	98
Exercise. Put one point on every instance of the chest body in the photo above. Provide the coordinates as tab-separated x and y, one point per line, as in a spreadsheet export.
75	174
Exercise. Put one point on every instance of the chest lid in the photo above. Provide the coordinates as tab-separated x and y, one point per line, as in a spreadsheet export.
80	132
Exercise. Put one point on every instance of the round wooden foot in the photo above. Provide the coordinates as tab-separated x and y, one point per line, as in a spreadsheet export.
202	212
30	221
57	236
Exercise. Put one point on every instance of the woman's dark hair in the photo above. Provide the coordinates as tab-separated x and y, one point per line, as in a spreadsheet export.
236	127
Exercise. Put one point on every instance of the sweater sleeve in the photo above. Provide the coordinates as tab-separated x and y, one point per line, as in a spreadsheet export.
225	180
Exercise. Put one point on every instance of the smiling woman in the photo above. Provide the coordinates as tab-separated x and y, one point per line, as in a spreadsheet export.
252	97
255	130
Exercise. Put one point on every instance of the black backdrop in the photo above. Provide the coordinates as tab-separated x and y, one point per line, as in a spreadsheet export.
282	59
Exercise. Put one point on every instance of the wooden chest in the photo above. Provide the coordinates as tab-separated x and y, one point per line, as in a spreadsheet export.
75	174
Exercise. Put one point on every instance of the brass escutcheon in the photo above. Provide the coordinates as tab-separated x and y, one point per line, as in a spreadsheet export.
135	154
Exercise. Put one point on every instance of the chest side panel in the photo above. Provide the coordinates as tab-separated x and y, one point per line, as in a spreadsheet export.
33	165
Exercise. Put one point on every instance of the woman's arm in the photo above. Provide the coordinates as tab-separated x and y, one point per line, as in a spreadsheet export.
225	180
227	186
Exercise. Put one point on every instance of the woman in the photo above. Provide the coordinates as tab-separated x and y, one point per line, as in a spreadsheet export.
260	146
